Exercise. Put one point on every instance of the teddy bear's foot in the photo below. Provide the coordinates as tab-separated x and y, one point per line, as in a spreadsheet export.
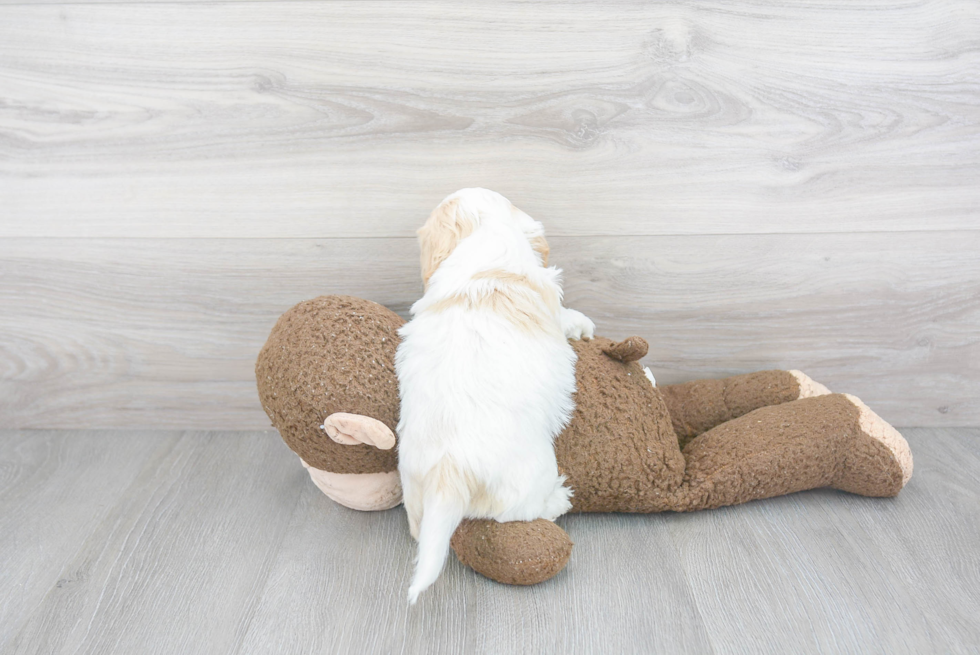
517	552
362	491
353	429
878	462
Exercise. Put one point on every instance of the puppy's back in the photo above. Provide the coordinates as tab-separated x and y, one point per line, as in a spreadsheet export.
486	380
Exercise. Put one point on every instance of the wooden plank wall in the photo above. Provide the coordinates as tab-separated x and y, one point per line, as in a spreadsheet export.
748	185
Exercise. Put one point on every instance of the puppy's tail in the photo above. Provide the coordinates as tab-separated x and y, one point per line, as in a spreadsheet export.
444	502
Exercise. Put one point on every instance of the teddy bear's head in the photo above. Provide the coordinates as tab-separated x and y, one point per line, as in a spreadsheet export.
327	355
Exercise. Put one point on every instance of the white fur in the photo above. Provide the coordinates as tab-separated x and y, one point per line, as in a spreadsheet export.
483	397
576	325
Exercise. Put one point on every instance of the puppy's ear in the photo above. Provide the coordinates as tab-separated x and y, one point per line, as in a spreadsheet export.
448	224
534	231
540	246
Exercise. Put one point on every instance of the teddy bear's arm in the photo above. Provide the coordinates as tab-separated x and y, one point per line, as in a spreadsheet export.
516	552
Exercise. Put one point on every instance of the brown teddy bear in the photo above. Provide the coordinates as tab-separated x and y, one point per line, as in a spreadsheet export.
326	379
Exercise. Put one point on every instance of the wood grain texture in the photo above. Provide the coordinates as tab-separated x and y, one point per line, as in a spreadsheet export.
329	119
749	186
466	612
827	572
164	333
914	549
220	543
54	489
182	556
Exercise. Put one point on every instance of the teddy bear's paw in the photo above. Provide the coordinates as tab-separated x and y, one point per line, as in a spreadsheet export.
880	463
366	492
354	429
808	386
576	325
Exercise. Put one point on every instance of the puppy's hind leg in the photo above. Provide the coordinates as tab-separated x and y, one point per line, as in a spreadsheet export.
412	497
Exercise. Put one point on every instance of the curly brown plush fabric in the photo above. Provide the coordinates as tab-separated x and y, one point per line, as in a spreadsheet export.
514	553
326	355
628	350
773	451
696	407
619	451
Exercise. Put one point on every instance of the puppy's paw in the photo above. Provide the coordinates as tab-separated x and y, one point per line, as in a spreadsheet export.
353	429
559	503
576	325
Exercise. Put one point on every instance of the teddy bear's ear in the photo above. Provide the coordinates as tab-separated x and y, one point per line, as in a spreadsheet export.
354	429
628	350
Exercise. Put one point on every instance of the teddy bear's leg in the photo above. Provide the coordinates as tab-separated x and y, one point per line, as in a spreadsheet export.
696	407
823	441
516	552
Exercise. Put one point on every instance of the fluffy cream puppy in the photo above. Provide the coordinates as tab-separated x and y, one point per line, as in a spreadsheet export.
486	376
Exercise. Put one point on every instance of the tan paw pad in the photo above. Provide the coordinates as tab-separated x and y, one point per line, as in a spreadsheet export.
808	386
879	430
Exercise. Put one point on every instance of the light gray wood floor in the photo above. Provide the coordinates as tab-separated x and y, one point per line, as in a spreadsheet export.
217	542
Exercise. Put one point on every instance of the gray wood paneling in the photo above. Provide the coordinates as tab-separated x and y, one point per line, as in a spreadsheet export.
749	186
218	542
324	119
164	333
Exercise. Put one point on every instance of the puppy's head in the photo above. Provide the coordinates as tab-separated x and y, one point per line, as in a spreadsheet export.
460	214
